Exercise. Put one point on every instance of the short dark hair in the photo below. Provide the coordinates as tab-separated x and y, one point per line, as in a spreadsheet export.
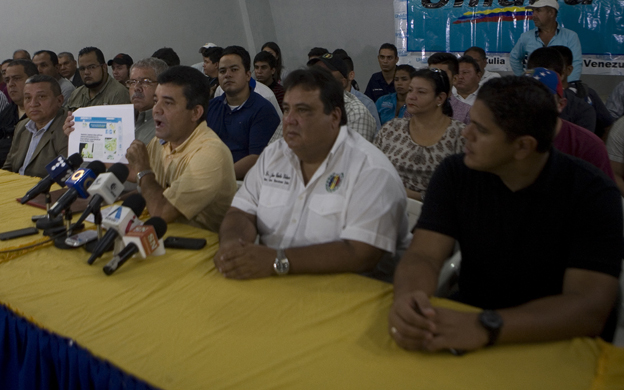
212	53
566	53
441	83
317	52
67	54
53	56
7	61
546	57
471	61
29	67
478	50
447	59
390	46
265	56
406	68
168	55
91	49
241	52
42	78
195	85
522	106
313	78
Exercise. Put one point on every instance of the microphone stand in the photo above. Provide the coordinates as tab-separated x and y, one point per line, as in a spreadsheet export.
60	241
97	220
45	222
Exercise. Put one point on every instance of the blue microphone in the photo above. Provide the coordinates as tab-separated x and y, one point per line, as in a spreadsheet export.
78	184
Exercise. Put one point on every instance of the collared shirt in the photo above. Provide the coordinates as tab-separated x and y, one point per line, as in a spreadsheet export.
358	119
615	142
377	87
144	128
369	104
261	90
112	93
198	177
487	75
67	88
470	99
386	106
530	40
615	102
4	102
355	194
278	91
34	141
246	129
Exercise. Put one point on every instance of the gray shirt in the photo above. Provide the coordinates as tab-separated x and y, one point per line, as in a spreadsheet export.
66	89
144	127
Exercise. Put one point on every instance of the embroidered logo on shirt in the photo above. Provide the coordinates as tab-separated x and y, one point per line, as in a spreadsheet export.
333	182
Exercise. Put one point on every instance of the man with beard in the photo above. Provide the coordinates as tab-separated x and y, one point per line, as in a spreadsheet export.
98	89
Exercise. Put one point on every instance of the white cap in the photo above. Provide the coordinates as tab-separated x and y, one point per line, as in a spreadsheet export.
545	3
209	45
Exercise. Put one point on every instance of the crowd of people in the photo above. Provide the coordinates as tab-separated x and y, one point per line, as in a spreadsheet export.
514	169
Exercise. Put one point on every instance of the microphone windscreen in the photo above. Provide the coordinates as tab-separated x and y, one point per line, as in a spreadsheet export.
159	224
120	171
136	203
96	167
75	160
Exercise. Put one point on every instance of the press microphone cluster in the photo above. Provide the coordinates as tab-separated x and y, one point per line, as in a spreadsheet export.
59	170
143	240
78	184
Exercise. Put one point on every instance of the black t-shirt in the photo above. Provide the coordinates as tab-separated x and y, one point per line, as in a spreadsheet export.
516	246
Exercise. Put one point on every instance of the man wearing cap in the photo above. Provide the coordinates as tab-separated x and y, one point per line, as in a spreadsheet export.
47	63
121	67
570	138
547	32
99	88
358	117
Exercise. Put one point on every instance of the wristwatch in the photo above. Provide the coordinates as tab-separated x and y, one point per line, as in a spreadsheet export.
140	176
281	264
492	322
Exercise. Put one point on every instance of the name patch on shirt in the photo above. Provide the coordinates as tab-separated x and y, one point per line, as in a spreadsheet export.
277	178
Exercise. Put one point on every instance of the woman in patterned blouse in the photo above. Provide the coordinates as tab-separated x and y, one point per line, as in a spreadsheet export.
416	146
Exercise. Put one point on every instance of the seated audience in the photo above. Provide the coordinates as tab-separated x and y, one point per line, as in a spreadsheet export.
314	196
576	110
21	54
570	138
99	88
615	147
540	234
40	139
121	67
417	145
478	54
273	48
241	117
3	86
382	83
168	55
316	52
615	102
604	120
211	57
351	88
189	178
68	68
16	74
48	64
449	63
468	79
393	105
265	68
358	117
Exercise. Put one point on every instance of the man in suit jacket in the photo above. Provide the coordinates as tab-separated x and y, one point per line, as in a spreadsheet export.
39	138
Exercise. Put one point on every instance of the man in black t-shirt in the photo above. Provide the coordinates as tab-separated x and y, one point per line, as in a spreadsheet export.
540	233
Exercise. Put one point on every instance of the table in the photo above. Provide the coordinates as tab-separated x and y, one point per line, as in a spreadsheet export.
174	322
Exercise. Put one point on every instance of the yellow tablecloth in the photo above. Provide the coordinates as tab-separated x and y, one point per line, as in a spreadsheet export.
176	323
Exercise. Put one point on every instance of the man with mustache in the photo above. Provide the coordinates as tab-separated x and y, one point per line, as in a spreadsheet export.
99	89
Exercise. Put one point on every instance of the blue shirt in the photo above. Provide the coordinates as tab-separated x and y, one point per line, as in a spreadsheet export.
245	130
386	106
34	141
530	41
377	87
369	104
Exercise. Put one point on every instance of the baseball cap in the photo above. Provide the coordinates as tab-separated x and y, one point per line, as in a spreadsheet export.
548	78
121	59
544	3
333	63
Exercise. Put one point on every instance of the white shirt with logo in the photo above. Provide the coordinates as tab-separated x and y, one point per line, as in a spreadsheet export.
356	194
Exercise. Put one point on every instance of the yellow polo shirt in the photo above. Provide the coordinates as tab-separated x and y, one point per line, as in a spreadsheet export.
198	177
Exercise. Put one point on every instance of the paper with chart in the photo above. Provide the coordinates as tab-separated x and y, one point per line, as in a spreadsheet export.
103	133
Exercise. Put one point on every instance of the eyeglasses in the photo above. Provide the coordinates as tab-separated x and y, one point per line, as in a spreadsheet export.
90	68
144	82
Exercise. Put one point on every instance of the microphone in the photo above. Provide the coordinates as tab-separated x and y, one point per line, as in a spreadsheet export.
78	184
106	188
143	240
59	170
119	222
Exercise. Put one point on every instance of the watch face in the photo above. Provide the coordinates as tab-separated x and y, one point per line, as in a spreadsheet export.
491	319
281	266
